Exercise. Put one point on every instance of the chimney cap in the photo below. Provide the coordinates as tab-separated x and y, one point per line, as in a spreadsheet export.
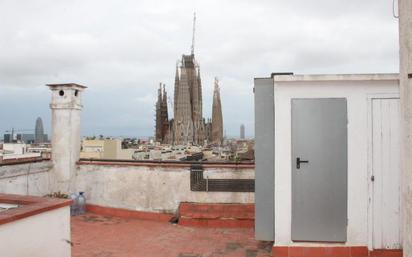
66	85
281	74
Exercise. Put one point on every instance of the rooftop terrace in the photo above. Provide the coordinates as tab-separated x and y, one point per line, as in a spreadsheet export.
104	236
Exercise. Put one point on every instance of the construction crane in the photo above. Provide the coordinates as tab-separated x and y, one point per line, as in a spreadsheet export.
12	131
193	35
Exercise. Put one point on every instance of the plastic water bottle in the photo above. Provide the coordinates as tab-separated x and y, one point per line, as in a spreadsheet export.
74	205
81	203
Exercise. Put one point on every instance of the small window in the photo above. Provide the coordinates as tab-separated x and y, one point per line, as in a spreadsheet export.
61	93
76	92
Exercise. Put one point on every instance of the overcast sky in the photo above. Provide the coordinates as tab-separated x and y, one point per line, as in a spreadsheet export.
121	50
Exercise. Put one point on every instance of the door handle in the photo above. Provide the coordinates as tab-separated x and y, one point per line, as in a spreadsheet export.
299	161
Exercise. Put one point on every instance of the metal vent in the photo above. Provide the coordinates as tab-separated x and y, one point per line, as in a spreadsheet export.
198	183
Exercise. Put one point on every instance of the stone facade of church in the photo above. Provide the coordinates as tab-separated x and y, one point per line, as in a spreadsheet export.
188	125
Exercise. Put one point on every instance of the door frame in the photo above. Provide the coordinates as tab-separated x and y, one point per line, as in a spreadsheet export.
369	128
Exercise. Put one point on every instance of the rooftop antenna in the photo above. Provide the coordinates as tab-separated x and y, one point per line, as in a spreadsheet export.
193	35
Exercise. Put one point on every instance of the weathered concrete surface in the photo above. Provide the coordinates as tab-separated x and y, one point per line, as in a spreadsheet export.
143	188
155	189
405	41
26	179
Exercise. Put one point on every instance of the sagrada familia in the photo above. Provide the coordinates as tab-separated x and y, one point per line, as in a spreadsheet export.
188	125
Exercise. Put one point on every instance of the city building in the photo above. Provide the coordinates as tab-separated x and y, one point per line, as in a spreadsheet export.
39	136
25	138
7	138
105	149
242	131
43	149
16	136
22	138
16	151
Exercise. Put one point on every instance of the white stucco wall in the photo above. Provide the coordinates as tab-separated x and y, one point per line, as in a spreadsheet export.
356	92
405	58
15	148
155	189
43	235
25	179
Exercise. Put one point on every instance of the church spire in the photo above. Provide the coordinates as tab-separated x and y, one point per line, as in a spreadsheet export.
177	72
158	132
217	119
164	100
176	89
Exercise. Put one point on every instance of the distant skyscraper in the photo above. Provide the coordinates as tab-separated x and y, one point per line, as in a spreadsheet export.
217	118
39	132
242	131
7	138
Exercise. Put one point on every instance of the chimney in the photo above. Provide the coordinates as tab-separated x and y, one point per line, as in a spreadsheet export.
66	107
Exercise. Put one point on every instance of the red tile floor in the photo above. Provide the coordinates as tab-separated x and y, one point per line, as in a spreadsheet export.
100	236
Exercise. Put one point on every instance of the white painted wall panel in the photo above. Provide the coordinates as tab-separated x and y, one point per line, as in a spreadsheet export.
43	235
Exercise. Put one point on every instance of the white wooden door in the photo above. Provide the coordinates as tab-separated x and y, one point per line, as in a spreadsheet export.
386	173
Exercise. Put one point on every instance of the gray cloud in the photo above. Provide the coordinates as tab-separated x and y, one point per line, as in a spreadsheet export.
121	50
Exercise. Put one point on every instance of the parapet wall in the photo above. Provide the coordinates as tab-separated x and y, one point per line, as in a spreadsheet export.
150	187
26	178
155	187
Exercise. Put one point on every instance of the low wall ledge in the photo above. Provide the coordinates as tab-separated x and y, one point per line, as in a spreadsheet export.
18	161
29	206
107	162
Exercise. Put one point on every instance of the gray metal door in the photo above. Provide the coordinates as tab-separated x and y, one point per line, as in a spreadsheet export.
319	169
